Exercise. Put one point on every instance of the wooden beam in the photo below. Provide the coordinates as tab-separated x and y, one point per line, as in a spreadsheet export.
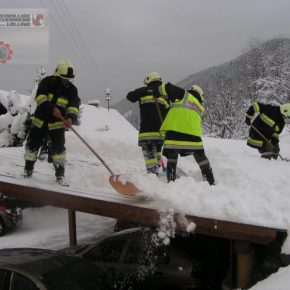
235	231
136	214
72	227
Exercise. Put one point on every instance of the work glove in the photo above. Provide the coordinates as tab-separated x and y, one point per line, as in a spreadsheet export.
56	113
68	123
248	122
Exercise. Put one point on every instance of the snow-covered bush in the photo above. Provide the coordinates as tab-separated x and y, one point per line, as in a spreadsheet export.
14	124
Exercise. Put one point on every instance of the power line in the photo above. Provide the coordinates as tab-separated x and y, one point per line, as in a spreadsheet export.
80	37
72	37
67	40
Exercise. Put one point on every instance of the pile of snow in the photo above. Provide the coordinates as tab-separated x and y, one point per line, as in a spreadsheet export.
277	281
249	189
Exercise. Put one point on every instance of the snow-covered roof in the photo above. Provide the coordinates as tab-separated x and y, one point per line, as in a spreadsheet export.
249	189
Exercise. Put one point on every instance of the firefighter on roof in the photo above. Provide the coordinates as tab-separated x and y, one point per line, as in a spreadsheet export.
268	124
150	138
183	128
57	108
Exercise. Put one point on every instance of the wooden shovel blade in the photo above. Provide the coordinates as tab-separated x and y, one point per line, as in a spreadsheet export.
126	187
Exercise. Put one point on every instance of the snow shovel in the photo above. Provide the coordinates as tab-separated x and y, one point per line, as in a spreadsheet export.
158	110
268	142
123	187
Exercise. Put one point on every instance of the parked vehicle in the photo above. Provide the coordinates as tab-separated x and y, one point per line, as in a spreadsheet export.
134	259
40	269
10	214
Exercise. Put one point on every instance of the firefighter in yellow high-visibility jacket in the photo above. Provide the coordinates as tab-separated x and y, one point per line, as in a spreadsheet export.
183	128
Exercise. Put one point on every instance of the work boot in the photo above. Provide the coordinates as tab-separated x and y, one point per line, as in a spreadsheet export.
267	155
59	171
59	174
154	170
28	169
43	153
208	176
49	157
171	172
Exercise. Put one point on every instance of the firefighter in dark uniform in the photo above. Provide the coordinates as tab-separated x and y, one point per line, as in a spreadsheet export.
269	122
57	108
150	138
183	127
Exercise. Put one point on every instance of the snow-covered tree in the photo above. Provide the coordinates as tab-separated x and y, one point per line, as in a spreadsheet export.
261	73
31	104
12	124
15	123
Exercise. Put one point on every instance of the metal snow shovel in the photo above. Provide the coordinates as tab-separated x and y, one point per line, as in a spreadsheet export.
123	187
268	142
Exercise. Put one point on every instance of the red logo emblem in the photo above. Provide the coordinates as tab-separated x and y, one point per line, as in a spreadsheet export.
5	52
38	19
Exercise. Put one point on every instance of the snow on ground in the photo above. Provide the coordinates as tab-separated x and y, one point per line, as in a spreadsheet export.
249	189
277	281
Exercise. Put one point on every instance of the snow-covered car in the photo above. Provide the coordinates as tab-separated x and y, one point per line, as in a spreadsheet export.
41	269
135	259
10	214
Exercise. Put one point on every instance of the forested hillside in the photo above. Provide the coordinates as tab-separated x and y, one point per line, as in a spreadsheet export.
261	73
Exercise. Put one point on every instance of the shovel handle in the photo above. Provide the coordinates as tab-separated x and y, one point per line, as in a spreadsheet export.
89	147
262	135
268	141
128	188
158	110
92	150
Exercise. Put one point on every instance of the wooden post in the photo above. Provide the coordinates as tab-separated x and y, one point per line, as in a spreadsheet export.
72	227
244	263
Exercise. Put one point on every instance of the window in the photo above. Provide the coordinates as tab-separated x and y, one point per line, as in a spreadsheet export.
77	275
134	253
4	279
19	282
108	251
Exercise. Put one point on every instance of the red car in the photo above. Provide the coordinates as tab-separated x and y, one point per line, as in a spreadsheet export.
10	214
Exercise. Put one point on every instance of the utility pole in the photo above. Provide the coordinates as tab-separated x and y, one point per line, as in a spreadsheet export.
108	97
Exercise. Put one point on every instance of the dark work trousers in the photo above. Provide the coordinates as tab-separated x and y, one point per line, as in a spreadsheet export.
199	156
35	141
152	156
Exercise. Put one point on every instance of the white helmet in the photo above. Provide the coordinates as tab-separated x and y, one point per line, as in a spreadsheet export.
197	89
285	110
152	76
65	69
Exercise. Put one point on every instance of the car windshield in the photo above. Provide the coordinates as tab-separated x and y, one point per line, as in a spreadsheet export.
75	276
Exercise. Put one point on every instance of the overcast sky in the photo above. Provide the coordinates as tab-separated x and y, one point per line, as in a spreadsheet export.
115	43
